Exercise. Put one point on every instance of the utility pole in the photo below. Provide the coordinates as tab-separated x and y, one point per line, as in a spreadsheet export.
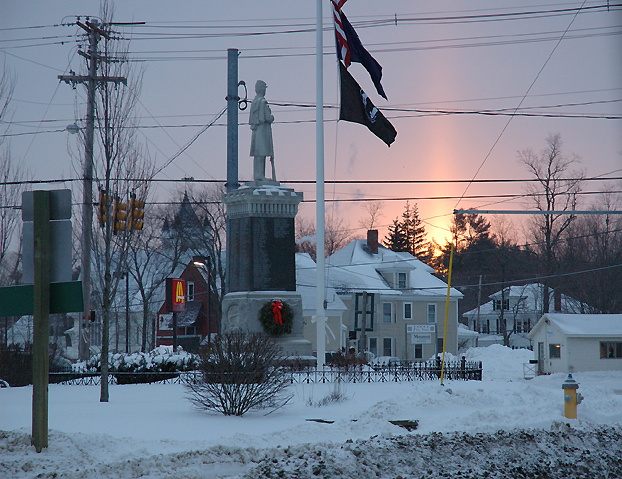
91	80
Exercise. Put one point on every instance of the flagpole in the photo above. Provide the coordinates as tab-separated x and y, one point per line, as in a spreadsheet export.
319	202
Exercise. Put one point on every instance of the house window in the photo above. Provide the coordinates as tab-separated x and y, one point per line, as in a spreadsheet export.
431	313
496	305
189	291
408	311
387	346
418	351
555	351
387	313
373	346
401	281
610	350
190	330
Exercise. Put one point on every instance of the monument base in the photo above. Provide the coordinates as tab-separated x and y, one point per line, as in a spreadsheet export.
241	313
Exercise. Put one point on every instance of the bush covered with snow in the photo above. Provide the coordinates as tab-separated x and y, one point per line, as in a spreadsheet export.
159	360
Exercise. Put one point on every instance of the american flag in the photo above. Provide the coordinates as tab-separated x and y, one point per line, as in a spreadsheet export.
342	40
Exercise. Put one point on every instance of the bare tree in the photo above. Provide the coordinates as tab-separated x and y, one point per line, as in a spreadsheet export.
337	235
149	264
121	168
212	242
593	244
11	187
373	214
555	189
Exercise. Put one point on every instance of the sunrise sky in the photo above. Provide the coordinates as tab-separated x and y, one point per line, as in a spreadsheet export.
437	57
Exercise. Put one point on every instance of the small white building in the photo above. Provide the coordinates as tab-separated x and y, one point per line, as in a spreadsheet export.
569	343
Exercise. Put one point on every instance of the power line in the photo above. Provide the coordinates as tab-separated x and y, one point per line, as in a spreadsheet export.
342	182
523	99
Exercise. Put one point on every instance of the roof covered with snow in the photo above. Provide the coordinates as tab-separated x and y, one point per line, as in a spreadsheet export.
306	280
587	325
356	268
526	299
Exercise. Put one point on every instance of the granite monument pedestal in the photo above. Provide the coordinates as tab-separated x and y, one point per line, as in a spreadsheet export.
261	259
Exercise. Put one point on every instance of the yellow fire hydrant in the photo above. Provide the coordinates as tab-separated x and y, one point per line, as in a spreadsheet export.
571	397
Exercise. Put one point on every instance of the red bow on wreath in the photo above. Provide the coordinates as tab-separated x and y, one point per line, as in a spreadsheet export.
277	306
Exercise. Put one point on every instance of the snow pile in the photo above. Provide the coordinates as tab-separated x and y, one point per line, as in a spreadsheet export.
503	425
499	362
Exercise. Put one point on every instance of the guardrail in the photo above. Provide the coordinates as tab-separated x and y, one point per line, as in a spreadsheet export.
422	371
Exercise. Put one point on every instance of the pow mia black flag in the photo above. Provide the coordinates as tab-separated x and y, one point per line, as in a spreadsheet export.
358	108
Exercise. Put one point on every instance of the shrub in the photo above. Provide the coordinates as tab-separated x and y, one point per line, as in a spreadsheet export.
242	372
16	363
159	360
347	361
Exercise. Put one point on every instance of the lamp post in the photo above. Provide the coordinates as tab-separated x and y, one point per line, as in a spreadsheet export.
206	263
87	220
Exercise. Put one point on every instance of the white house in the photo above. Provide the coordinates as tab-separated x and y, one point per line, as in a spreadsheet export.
578	342
521	307
395	305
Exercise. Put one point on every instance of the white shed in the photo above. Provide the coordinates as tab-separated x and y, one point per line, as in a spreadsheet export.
578	342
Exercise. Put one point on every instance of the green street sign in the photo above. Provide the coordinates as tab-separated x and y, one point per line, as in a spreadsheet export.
19	300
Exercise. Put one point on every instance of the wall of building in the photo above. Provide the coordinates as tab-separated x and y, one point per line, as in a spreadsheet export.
584	355
396	331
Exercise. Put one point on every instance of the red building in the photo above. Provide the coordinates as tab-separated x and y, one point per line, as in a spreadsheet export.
196	326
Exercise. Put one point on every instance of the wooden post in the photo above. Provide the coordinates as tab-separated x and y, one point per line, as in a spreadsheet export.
41	313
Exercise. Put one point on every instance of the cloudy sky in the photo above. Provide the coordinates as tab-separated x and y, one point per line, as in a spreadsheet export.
444	65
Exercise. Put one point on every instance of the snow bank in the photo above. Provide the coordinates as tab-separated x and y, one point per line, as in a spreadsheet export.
152	430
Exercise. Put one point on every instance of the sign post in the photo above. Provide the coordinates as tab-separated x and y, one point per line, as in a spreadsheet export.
41	319
49	293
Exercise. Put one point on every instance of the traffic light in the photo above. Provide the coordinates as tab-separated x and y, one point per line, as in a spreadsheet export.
120	214
136	213
103	198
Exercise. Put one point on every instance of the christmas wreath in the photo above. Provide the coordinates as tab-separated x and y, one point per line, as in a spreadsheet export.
277	318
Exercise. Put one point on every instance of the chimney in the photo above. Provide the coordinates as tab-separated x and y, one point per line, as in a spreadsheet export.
372	241
557	296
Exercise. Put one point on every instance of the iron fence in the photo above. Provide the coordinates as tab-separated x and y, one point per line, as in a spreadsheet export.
419	371
416	371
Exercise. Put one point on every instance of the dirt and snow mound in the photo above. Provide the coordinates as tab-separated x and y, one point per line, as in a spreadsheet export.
562	453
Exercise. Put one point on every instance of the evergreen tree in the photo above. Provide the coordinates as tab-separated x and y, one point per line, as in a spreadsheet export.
395	239
408	235
416	241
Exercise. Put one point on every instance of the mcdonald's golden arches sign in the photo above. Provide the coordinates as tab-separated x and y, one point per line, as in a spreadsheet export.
175	294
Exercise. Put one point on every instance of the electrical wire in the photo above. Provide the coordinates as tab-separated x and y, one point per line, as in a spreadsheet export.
523	99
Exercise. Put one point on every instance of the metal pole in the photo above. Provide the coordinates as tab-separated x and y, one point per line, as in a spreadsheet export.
232	119
41	319
87	200
232	141
174	331
127	313
451	260
209	303
319	203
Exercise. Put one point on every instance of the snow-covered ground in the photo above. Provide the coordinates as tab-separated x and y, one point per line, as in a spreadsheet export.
505	426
